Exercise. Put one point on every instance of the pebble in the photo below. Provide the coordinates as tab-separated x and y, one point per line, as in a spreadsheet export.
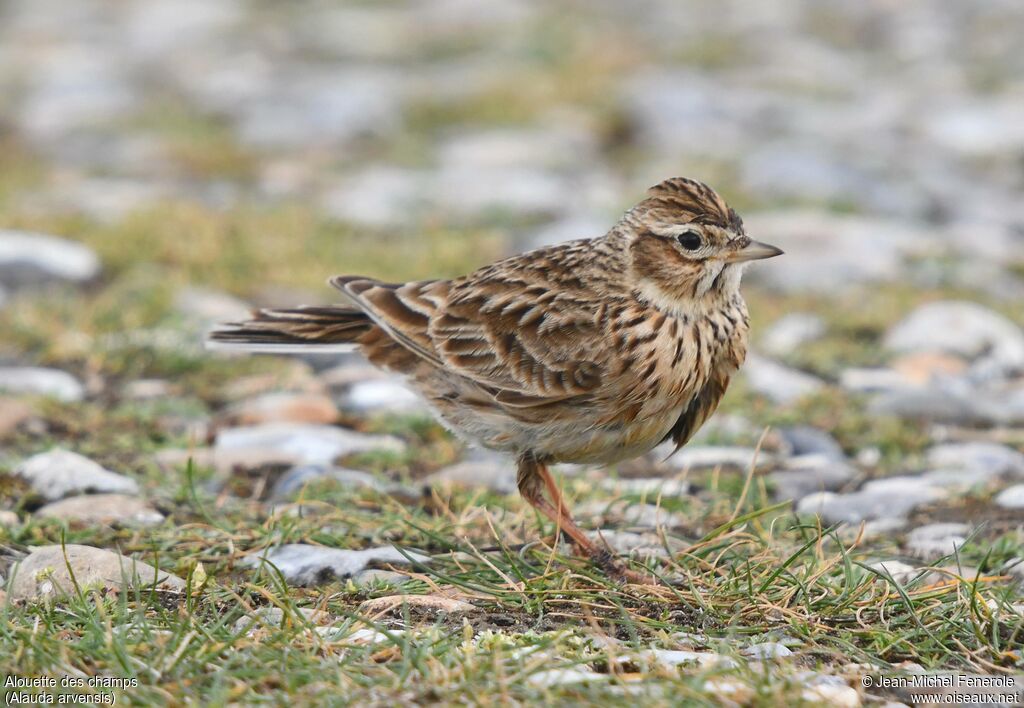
836	251
305	443
1011	497
631	514
274	618
204	308
296	478
730	691
778	383
894	497
807	440
8	518
933	541
13	414
639	545
560	677
495	474
990	458
962	328
307	565
283	408
53	383
382	396
790	332
651	488
898	570
810	473
679	657
438	602
31	259
767	650
43	574
833	696
378	576
60	473
696	458
102	509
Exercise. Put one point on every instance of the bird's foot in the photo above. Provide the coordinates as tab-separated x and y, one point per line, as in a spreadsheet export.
606	561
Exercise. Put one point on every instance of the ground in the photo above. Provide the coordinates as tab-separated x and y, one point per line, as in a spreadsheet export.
849	514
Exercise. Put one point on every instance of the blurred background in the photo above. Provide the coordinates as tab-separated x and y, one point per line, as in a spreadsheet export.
164	164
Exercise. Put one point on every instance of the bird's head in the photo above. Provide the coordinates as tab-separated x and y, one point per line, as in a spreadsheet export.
687	246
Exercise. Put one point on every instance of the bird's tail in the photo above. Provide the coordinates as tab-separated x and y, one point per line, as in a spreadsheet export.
299	330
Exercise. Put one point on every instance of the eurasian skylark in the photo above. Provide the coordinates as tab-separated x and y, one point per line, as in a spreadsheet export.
590	351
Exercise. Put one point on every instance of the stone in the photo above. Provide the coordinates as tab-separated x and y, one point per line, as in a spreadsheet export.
560	677
696	458
440	603
60	473
992	458
1011	497
787	334
892	497
681	657
631	514
148	389
961	328
43	574
204	308
305	443
651	488
836	252
921	368
13	414
638	545
40	381
806	440
778	383
730	691
933	541
382	396
8	518
898	570
32	259
307	565
767	650
810	473
274	617
493	473
102	509
829	695
378	576
296	478
283	408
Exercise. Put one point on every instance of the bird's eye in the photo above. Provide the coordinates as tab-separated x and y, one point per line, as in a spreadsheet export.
690	240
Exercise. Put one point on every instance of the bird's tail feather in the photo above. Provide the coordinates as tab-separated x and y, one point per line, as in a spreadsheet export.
293	331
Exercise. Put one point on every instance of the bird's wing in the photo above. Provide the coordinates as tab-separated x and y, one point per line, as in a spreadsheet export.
527	346
700	408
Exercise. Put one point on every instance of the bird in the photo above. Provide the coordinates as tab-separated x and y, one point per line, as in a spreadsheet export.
589	351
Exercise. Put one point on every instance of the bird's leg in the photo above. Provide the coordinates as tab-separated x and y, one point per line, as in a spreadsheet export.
532	478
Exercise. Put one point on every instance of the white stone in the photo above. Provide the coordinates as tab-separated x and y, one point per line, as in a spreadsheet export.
790	332
44	573
958	327
53	383
780	384
1011	497
60	473
27	258
305	564
306	444
102	509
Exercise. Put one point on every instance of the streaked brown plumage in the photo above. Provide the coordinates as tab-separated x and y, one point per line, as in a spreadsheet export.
588	351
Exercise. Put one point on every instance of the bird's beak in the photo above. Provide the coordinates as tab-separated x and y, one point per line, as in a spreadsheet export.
753	251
